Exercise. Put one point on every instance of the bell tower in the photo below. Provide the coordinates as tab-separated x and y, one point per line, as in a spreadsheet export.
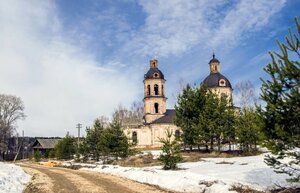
154	93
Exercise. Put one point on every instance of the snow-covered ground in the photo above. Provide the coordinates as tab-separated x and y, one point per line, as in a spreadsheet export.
210	175
12	178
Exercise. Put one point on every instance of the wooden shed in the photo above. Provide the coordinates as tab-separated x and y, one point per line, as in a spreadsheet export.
45	144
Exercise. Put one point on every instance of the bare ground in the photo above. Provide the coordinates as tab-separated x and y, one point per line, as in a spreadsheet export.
60	180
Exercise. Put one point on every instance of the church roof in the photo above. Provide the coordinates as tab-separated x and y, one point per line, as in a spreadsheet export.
167	118
213	79
151	72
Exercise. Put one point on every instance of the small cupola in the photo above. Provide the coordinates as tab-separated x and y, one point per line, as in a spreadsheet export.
214	64
153	63
154	72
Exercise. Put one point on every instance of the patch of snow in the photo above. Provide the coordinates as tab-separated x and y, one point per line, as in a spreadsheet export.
211	175
13	179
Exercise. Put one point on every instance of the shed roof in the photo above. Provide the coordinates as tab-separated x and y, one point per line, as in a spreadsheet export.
48	143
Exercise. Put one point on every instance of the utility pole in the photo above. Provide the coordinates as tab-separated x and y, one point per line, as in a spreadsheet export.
78	126
23	144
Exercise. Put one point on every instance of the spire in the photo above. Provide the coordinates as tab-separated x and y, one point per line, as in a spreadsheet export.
213	55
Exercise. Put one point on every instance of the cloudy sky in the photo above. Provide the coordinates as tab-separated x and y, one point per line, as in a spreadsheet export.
72	61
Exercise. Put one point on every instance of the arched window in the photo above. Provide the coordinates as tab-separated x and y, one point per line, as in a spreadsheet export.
162	90
148	90
155	89
216	68
177	133
155	107
134	137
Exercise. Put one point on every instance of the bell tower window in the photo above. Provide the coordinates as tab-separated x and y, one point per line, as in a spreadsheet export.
162	90
155	89
148	90
155	107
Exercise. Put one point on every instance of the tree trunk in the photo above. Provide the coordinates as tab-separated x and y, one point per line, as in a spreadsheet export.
211	144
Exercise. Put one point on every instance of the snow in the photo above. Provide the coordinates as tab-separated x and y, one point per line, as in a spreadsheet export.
12	178
210	175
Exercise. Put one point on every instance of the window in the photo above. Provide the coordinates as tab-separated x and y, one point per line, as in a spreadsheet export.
155	75
222	82
155	107
134	137
155	89
216	68
148	90
162	90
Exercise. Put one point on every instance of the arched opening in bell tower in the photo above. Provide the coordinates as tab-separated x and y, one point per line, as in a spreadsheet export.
155	89
148	90
155	107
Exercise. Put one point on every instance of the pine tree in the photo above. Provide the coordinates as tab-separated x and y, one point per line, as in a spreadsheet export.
91	145
281	114
249	129
65	148
118	142
188	108
170	152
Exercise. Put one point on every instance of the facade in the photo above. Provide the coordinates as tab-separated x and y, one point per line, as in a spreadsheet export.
158	119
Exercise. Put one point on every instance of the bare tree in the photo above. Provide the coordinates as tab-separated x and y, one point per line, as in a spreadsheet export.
11	110
134	116
103	120
181	84
245	93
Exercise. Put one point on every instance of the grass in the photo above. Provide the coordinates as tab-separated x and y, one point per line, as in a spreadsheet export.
244	189
138	161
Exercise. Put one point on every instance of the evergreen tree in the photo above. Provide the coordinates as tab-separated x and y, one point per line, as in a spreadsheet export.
65	148
118	142
249	129
189	106
204	117
226	120
170	152
92	146
281	114
208	119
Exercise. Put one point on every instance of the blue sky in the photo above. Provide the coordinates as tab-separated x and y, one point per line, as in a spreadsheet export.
72	61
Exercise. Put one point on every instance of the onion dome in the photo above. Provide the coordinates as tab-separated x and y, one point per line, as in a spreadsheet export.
216	80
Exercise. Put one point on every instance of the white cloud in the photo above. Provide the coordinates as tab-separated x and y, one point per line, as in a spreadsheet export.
245	17
60	83
174	27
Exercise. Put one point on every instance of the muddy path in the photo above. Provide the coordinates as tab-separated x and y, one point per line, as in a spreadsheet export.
60	180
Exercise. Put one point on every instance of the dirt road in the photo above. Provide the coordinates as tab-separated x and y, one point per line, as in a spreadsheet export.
61	180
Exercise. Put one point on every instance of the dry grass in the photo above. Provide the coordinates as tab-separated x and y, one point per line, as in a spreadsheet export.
244	189
286	190
139	161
